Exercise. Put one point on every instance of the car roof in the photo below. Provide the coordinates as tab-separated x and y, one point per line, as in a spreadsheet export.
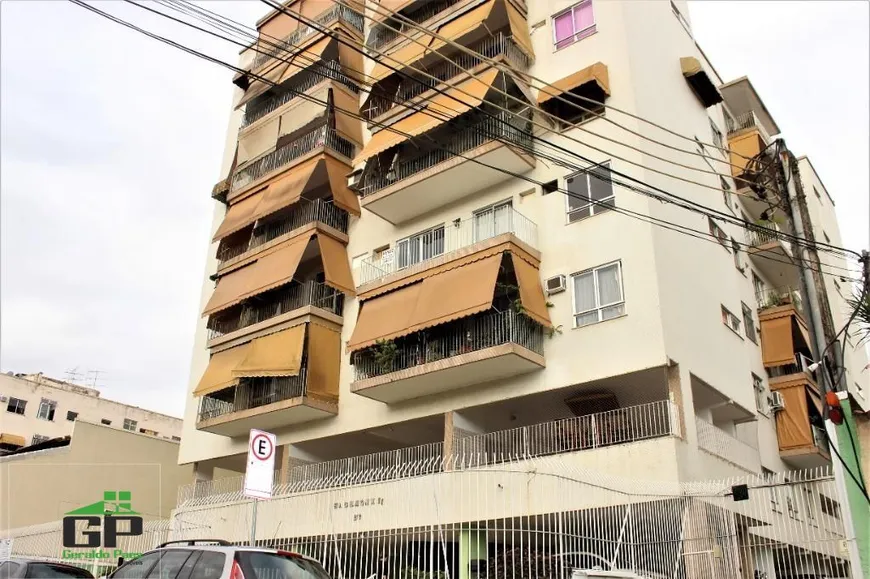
232	549
26	560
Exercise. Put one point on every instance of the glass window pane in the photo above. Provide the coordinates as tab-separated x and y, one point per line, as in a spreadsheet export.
137	568
584	292
612	312
563	26
609	286
578	190
209	566
579	214
169	564
583	17
586	319
599	181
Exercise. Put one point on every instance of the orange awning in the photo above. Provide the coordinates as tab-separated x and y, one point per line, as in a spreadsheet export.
324	361
793	428
383	9
455	101
343	197
336	268
278	354
777	343
531	293
450	295
596	73
12	439
239	215
271	73
307	56
269	271
347	126
219	372
286	190
520	29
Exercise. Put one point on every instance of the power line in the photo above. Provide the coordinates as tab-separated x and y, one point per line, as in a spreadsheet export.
649	219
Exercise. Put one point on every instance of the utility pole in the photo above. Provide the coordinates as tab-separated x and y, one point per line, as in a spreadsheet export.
797	209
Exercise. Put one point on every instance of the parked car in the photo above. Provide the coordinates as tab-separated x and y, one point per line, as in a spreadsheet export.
19	568
214	559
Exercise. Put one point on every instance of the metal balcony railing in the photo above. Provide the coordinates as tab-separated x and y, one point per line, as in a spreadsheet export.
455	138
302	213
801	366
254	393
780	296
443	71
387	31
820	440
716	441
292	297
289	44
320	137
301	82
747	121
453	236
452	339
762	235
620	426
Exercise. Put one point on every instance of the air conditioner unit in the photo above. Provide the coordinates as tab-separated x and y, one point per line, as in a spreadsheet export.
775	401
555	284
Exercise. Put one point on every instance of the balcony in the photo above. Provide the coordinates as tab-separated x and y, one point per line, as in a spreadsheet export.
289	45
747	137
320	138
497	47
277	97
441	245
802	442
785	336
419	182
272	304
385	33
268	403
717	442
473	350
771	253
251	239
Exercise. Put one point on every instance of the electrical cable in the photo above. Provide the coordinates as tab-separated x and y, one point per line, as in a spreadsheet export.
663	223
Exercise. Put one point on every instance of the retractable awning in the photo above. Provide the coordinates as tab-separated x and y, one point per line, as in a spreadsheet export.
219	372
278	354
12	439
455	101
324	361
384	8
239	215
701	84
596	73
531	293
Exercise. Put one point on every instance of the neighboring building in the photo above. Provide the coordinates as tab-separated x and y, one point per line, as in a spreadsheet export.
488	315
35	408
66	474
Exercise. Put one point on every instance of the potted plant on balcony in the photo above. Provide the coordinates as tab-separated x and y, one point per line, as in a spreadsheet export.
384	353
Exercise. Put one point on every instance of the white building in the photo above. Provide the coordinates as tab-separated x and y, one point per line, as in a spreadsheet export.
36	408
652	351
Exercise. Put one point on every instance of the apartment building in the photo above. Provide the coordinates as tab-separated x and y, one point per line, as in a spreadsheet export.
440	283
37	408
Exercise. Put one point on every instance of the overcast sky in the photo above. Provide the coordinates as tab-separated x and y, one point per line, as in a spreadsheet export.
110	143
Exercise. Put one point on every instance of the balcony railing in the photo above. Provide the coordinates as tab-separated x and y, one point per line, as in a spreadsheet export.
417	84
308	78
780	296
762	235
388	31
801	366
453	138
290	43
321	137
716	441
283	300
254	393
452	339
620	426
454	236
820	440
747	121
302	213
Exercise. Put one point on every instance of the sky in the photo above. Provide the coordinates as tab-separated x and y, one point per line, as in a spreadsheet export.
110	143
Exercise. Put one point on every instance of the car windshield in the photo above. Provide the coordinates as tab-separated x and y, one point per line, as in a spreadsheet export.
259	565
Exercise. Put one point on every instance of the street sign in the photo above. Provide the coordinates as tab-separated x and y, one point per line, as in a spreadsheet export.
260	471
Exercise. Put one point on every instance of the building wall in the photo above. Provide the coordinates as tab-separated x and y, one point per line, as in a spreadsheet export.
71	398
39	487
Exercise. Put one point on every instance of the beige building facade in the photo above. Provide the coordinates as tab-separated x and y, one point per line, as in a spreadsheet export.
35	408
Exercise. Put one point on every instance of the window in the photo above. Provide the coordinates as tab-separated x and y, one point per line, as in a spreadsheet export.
549	187
829	506
261	565
758	286
827	239
717	232
816	191
37	438
105	421
493	220
735	247
16	406
46	409
169	564
176	438
730	320
49	571
791	504
726	192
770	479
129	424
680	17
422	246
573	24
71	416
589	192
148	431
760	394
598	294
810	504
717	135
749	323
209	566
137	568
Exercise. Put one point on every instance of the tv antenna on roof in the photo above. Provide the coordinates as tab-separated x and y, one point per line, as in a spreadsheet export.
96	375
73	375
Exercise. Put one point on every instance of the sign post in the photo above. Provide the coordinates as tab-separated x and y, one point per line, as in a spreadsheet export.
260	471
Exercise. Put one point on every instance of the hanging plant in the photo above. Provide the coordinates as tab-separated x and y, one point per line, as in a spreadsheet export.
384	353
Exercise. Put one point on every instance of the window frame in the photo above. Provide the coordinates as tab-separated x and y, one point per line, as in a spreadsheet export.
748	323
599	306
129	421
718	233
491	209
105	422
23	405
718	137
731	321
39	439
761	394
577	35
597	208
51	409
397	253
72	416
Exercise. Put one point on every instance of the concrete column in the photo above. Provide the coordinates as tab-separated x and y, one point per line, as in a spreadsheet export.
291	457
473	554
203	474
675	395
456	428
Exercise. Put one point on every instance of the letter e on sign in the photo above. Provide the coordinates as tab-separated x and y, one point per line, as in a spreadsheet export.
260	471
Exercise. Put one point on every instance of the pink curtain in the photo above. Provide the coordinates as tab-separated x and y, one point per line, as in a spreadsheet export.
564	27
583	16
